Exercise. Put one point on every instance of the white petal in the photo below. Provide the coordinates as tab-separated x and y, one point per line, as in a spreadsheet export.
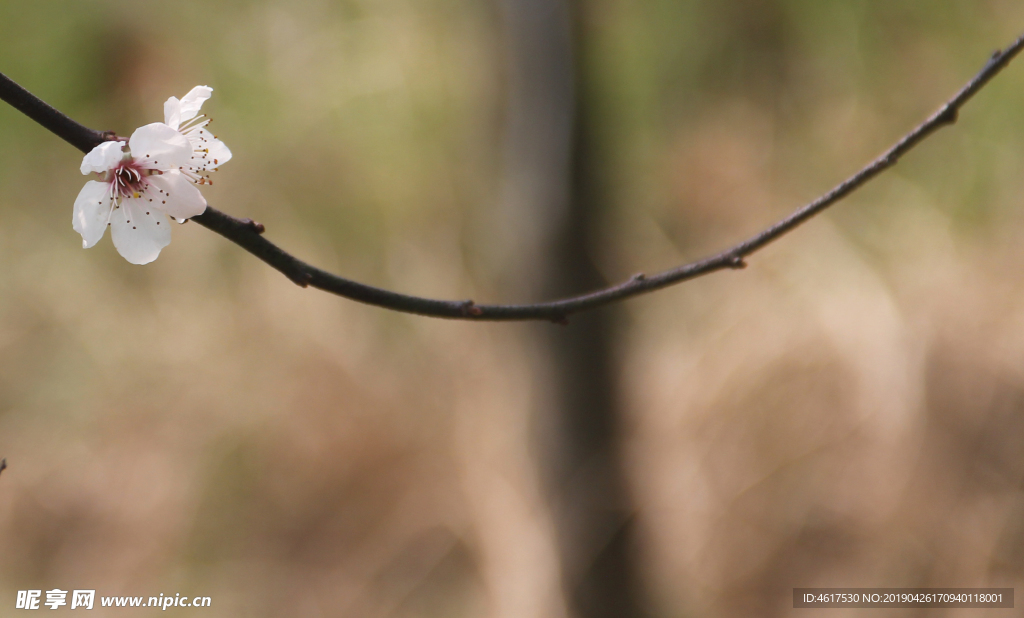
172	112
139	237
191	102
175	194
158	146
218	154
92	211
102	158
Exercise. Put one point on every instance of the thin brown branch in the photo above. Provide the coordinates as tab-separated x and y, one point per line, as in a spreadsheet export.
248	234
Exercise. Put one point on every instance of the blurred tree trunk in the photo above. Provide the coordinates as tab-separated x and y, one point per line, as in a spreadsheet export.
553	203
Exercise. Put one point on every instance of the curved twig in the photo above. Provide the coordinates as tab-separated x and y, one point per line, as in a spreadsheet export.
248	234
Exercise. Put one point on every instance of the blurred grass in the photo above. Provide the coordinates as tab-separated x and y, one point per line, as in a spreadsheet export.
844	412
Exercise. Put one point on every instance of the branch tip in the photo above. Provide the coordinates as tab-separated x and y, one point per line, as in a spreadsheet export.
3	464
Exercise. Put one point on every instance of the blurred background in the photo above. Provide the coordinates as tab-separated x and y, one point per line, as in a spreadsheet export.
847	411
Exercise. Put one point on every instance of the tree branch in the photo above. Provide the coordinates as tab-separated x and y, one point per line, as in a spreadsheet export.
248	234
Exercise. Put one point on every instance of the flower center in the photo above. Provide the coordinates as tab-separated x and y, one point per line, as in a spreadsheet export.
128	180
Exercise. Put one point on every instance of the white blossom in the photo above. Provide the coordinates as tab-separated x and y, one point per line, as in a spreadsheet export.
139	184
209	153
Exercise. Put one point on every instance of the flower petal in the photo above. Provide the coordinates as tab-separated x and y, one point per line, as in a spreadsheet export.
172	112
175	194
217	153
138	236
191	102
158	146
92	211
102	158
